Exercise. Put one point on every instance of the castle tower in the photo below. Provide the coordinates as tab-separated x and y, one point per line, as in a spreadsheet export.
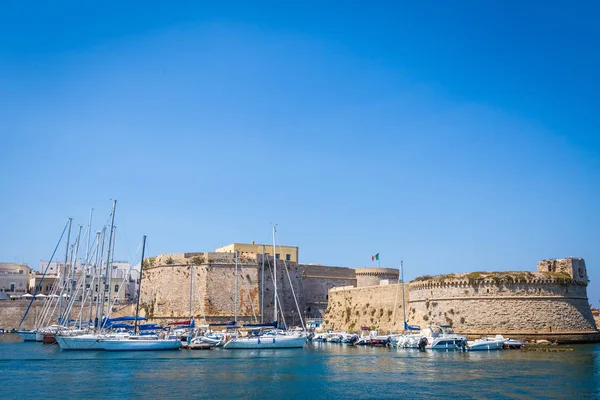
574	267
373	276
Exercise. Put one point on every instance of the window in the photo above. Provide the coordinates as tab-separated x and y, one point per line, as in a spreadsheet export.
277	256
96	288
116	288
87	286
287	257
106	288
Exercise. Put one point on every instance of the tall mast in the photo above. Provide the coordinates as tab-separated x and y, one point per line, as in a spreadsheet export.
101	282
236	288
137	304
108	259
109	267
92	288
191	288
74	262
403	305
262	288
87	245
395	303
64	271
274	276
107	271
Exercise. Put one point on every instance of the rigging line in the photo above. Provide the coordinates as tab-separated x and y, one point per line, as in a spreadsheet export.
123	236
277	294
290	280
45	271
124	279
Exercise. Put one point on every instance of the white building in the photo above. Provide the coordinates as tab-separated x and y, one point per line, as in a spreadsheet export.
14	278
122	286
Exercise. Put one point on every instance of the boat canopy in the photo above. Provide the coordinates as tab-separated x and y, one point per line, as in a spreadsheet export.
227	324
408	327
181	322
124	318
148	327
266	325
116	326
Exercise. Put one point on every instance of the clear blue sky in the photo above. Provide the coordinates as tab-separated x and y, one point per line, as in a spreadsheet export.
456	136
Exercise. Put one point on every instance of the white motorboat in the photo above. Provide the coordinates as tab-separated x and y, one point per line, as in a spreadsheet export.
334	337
409	341
514	344
321	337
364	341
442	337
496	343
215	339
267	341
349	338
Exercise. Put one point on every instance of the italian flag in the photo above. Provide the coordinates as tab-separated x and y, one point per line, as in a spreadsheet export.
375	257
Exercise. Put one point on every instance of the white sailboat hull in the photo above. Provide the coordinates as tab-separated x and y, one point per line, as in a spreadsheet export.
83	342
27	336
266	342
141	344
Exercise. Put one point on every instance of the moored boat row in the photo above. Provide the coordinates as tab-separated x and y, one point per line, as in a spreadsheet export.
433	337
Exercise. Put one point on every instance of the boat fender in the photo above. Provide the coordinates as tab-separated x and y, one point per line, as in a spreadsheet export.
273	340
258	340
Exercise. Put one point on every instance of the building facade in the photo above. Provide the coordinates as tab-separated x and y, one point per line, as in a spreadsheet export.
251	250
14	278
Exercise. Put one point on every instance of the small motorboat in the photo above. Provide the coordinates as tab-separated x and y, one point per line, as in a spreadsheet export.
496	343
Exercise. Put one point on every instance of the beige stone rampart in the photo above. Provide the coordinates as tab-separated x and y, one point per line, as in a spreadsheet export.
165	290
520	304
351	308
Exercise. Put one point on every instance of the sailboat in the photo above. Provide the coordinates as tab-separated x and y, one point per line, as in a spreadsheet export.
93	340
35	335
140	342
273	338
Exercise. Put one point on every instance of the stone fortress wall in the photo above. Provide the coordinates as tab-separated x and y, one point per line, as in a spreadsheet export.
549	303
167	284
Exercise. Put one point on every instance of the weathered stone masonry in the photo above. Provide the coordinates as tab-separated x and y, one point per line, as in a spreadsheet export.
549	303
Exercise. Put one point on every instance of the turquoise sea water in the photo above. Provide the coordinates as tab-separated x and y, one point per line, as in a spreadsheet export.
321	371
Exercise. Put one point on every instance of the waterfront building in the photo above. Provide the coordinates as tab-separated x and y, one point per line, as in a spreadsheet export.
14	279
122	287
250	250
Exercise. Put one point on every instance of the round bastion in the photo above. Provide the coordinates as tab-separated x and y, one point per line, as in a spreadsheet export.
548	303
373	276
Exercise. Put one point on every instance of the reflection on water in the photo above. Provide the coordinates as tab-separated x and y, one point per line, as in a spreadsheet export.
320	371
